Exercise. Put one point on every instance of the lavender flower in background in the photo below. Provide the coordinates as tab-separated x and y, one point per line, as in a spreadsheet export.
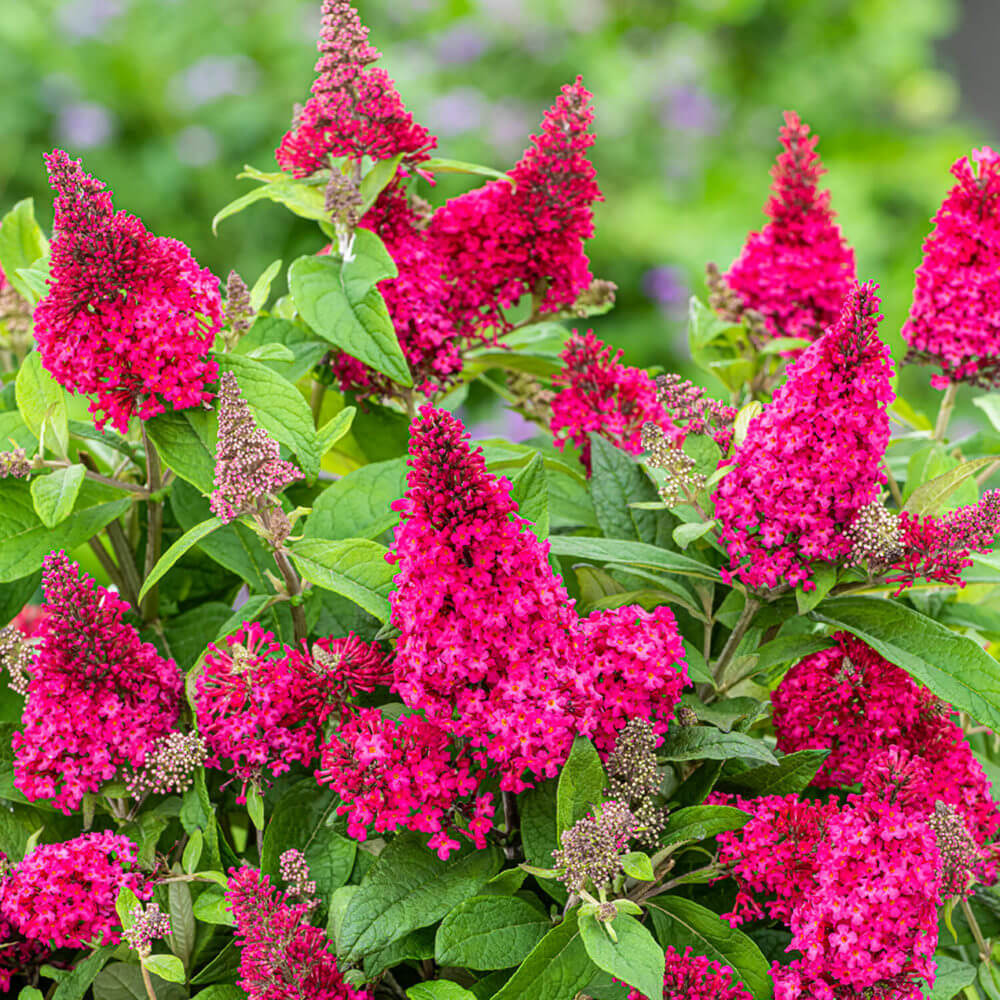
196	146
506	424
666	287
83	125
212	78
462	43
462	110
689	108
510	122
82	19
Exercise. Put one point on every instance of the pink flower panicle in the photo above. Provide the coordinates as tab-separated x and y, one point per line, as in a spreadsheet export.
282	957
98	697
64	894
491	650
598	394
525	235
355	110
690	411
129	317
954	321
811	459
148	925
799	268
170	765
248	464
857	704
417	300
939	548
402	774
257	705
295	874
860	892
695	977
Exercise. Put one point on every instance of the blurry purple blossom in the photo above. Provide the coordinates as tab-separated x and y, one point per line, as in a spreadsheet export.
665	286
83	125
510	125
461	110
214	77
79	19
461	43
689	108
507	424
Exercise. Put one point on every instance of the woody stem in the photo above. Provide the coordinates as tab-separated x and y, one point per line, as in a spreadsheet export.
944	414
294	587
154	526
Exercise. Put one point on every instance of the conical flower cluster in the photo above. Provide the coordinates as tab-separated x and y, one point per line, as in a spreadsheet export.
811	459
491	649
355	110
954	321
98	697
797	270
129	317
525	235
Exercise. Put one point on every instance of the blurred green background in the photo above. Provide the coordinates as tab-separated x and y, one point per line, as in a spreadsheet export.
167	99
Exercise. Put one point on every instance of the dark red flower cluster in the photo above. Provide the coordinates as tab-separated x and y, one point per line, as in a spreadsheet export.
355	109
98	698
798	269
129	317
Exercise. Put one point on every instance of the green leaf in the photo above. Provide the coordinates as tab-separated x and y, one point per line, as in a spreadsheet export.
124	982
617	481
255	807
635	958
221	991
22	242
824	576
439	989
581	784
438	164
683	923
42	400
341	303
408	887
789	776
186	442
36	281
334	429
25	540
277	406
685	534
183	544
302	199
742	423
557	968
788	648
269	352
353	567
489	932
375	181
989	403
55	494
531	494
168	967
192	852
782	344
931	497
270	331
951	978
304	819
537	808
626	553
212	908
30	993
702	822
225	966
638	865
956	668
262	286
358	505
706	742
76	984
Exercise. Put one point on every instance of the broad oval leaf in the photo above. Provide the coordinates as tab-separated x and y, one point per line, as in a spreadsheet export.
931	497
42	401
581	784
183	544
490	932
635	958
626	553
353	567
789	776
186	441
701	822
55	494
22	242
706	742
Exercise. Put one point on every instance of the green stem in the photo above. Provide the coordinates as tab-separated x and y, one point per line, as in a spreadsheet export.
736	637
316	400
147	982
970	917
107	563
96	477
944	414
154	526
894	489
294	587
126	563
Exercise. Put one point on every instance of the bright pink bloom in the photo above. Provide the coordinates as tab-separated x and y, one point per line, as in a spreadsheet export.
857	704
348	666
282	957
64	894
355	109
939	548
525	236
248	463
129	317
860	894
954	320
799	268
98	697
417	301
402	773
258	706
694	977
812	459
598	394
491	649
